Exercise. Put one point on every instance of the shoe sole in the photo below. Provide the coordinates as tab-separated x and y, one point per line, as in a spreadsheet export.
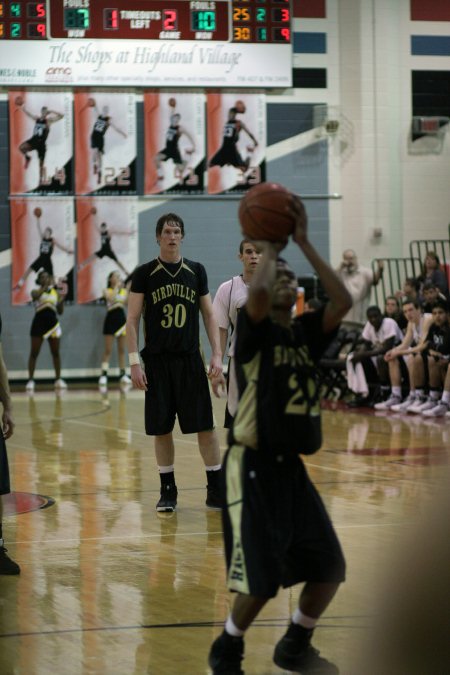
166	509
213	508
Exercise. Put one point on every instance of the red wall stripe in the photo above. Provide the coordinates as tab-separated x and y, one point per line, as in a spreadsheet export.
310	9
429	10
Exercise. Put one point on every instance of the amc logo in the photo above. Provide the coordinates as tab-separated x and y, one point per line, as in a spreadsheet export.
58	74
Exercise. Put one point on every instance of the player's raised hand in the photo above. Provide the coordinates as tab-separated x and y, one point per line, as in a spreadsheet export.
298	211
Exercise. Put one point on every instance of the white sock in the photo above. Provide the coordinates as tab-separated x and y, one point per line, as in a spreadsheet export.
446	397
166	469
397	391
302	620
232	629
435	395
215	467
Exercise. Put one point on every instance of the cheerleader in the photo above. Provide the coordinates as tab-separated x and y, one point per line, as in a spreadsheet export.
116	297
49	303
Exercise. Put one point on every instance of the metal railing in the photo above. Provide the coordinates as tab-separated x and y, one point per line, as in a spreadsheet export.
396	270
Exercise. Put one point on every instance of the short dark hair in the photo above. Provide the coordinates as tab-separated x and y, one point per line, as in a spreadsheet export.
243	243
411	301
428	285
170	219
441	303
373	309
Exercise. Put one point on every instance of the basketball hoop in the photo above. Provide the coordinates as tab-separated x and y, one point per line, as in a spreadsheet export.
427	135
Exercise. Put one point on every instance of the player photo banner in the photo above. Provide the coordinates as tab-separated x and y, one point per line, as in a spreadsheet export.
42	234
107	241
236	141
40	138
105	143
174	142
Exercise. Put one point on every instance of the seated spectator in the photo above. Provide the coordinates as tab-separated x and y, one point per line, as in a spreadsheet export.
393	310
417	328
430	295
438	354
379	335
431	271
409	290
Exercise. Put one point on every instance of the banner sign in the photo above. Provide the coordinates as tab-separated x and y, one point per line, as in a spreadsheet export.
135	63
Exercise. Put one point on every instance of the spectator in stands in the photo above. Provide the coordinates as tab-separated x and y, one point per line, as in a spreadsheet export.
430	295
409	290
431	271
380	334
358	281
393	310
418	326
438	356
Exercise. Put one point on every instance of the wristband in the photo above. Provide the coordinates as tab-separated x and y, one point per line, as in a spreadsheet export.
133	358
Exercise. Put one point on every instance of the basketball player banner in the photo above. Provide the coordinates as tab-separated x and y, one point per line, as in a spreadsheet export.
236	132
174	126
105	143
40	139
42	235
107	240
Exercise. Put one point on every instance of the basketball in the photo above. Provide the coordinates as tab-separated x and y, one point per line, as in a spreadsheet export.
93	210
240	106
172	102
37	212
91	102
18	100
262	213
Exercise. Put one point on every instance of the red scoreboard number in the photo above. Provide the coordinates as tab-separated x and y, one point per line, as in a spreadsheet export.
261	21
23	20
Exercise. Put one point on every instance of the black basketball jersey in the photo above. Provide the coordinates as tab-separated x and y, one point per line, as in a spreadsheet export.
41	129
46	246
439	338
172	136
279	406
105	239
172	293
231	133
101	124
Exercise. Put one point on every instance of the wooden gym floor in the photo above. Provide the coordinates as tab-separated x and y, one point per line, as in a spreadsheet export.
109	587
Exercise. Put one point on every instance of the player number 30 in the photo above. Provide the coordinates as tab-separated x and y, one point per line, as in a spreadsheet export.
174	316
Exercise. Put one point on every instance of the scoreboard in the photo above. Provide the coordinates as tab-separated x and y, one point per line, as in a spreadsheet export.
161	43
255	21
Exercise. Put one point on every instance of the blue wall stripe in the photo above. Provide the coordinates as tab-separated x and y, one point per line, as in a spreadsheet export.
310	43
430	45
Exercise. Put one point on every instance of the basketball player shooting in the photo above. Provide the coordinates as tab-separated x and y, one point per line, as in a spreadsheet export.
101	126
38	139
172	149
105	249
228	153
46	247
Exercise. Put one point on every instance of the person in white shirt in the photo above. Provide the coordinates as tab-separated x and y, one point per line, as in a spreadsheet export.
379	335
416	330
358	281
228	300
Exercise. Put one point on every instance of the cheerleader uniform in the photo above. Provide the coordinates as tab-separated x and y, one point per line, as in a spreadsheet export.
45	322
115	319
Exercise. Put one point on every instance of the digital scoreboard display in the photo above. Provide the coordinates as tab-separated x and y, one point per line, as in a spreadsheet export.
147	42
253	21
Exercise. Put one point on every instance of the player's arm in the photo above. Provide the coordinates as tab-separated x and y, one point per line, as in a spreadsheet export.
259	296
339	298
38	225
28	113
135	305
119	131
62	247
53	116
212	331
404	345
190	139
249	133
5	398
